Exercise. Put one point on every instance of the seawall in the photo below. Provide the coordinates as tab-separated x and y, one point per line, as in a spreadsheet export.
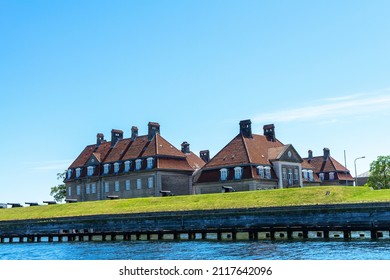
361	220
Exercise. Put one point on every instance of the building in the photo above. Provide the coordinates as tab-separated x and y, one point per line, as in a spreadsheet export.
329	170
255	162
138	166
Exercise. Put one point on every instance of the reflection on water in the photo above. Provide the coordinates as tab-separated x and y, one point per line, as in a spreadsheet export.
199	250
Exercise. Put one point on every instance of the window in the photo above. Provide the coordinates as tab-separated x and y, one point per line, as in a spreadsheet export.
322	176
268	172
78	190
127	165
106	186
127	185
284	171
311	176
88	189
260	171
69	173
224	174
106	168
150	182
93	187
138	163
90	170
331	176
149	163
237	173
70	191
117	186
290	177
78	172
116	167
305	174
139	184
296	174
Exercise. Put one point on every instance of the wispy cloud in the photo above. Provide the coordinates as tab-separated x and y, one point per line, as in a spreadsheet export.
332	108
58	165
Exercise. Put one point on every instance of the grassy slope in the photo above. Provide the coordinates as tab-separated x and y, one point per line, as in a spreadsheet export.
282	197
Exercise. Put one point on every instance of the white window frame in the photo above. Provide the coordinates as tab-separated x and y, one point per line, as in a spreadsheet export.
311	175
127	165
90	170
106	168
128	185
224	174
117	186
305	174
78	172
268	172
139	183
331	176
88	188
260	170
93	189
284	174
70	191
69	173
237	173
149	163
78	190
150	183
290	177
107	187
116	167
296	174
322	177
138	164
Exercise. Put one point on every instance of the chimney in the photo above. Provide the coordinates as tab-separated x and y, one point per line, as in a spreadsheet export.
153	129
99	139
246	128
116	135
269	132
205	155
185	147
310	154
134	133
326	154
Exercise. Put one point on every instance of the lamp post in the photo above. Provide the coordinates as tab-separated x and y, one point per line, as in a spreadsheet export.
355	168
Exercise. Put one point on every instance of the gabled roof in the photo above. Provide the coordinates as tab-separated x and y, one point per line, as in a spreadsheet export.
329	165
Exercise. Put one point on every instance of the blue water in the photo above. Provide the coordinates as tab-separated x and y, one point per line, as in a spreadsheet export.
199	250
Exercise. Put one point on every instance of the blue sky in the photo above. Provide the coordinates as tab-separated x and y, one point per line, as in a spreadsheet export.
318	70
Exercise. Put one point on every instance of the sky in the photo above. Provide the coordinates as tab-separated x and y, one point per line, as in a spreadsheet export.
318	70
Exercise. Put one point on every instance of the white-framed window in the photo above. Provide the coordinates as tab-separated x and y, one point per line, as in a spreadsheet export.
90	170
260	171
69	173
321	176
78	190
116	167
78	172
107	187
127	165
305	174
290	177
138	164
331	176
106	168
117	186
88	188
70	191
296	172
93	188
284	173
150	182
224	174
149	163
237	173
268	172
127	185
311	175
139	184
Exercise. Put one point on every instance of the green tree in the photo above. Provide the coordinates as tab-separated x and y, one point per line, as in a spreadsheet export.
380	173
59	191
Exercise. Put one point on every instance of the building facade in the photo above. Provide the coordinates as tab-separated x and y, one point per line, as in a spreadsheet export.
138	166
255	162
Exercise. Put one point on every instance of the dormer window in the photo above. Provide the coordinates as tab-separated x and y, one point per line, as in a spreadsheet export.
331	176
149	163
116	167
78	172
69	173
224	173
106	168
127	165
237	173
138	163
305	174
260	171
90	170
322	176
267	172
311	176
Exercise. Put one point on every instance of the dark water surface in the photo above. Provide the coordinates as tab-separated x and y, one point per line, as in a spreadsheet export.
199	250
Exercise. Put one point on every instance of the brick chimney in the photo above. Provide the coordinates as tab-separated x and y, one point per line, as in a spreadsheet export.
246	128
326	154
310	155
185	147
116	135
153	128
134	133
269	132
205	155
100	139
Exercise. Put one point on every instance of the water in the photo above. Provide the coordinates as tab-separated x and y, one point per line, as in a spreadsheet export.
199	250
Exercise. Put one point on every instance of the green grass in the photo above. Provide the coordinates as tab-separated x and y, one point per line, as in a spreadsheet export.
281	197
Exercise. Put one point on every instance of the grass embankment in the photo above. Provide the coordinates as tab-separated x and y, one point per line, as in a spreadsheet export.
281	197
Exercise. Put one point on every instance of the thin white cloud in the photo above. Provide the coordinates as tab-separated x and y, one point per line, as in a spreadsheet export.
332	108
58	165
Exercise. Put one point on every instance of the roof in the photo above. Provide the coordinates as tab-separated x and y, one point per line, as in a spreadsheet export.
329	165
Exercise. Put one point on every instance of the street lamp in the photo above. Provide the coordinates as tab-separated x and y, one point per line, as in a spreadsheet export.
355	168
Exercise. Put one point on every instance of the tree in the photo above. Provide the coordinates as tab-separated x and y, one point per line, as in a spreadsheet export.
59	191
380	173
